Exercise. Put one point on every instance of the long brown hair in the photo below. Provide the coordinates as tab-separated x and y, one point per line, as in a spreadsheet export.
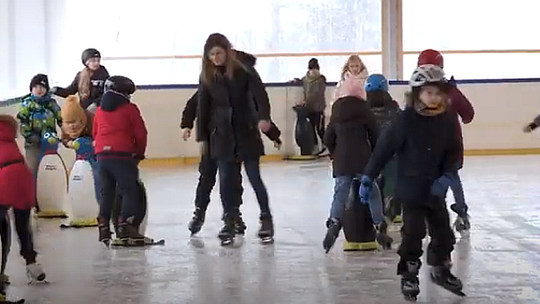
209	70
85	86
351	59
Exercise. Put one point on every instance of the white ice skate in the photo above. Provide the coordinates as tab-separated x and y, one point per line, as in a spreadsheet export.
35	273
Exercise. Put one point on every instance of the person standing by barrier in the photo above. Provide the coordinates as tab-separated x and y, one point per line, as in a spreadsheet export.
462	108
89	82
228	124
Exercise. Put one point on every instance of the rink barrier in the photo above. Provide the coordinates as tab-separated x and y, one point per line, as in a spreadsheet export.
503	107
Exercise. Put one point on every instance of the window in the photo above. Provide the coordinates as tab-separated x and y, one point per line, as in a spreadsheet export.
171	27
469	25
484	66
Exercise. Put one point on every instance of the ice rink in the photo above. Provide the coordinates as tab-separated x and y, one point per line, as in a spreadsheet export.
498	263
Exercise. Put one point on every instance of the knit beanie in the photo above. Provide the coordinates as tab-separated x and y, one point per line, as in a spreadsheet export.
313	64
40	79
72	110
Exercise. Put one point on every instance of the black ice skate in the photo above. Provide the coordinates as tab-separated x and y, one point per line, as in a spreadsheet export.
128	235
197	221
334	226
442	276
410	284
382	236
266	230
104	234
228	232
239	225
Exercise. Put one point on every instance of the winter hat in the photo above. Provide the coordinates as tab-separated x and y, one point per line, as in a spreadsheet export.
40	79
313	64
89	54
219	40
72	110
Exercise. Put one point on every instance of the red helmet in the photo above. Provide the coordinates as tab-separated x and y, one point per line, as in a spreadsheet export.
431	56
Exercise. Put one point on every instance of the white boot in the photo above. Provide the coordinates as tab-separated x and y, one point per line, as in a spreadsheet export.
35	273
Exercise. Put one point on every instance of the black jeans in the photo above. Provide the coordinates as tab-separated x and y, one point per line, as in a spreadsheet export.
24	232
413	232
124	173
317	122
253	171
230	180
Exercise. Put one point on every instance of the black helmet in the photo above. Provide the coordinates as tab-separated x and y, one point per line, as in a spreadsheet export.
120	84
89	54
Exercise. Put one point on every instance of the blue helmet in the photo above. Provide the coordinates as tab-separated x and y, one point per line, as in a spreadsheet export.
376	82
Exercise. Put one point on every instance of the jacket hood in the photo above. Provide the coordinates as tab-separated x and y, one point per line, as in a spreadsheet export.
380	99
246	58
349	108
313	75
8	128
112	100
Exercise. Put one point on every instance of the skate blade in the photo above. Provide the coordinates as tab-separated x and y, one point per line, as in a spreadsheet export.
267	240
411	298
456	292
196	241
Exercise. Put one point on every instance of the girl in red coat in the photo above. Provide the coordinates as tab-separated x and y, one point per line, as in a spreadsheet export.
17	190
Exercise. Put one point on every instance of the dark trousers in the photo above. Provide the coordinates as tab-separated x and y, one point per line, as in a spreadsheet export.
230	180
253	171
413	232
317	122
24	232
124	174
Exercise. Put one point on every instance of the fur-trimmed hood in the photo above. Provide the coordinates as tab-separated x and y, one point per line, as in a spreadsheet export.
8	127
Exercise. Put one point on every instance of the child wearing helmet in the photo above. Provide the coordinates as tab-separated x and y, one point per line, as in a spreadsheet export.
17	191
88	83
385	109
423	138
120	138
353	78
462	108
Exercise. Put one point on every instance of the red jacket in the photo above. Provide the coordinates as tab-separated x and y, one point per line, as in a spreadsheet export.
464	109
17	184
119	128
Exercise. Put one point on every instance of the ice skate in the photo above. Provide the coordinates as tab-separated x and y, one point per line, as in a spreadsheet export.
442	276
410	284
334	226
128	235
4	300
239	225
462	224
382	236
104	234
4	279
35	273
227	233
266	230
197	221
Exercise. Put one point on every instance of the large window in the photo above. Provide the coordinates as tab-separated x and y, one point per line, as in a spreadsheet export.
141	28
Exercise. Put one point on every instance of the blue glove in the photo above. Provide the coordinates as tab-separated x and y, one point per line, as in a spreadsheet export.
452	81
440	185
366	185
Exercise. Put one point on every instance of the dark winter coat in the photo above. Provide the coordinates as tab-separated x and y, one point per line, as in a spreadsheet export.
98	85
350	136
461	107
426	147
384	108
227	117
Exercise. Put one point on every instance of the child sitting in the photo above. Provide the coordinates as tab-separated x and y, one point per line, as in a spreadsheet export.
17	191
423	138
77	135
39	115
353	78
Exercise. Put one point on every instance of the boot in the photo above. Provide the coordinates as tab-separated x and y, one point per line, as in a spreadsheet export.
239	224
128	234
227	233
104	231
334	226
410	284
382	235
197	221
442	276
266	230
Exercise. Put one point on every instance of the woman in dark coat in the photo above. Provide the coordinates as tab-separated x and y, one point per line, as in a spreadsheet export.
229	121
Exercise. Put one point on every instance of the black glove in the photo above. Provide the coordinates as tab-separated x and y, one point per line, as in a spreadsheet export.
54	90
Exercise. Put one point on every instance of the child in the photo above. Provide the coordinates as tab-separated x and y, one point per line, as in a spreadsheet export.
460	106
385	109
17	191
39	115
353	78
88	82
77	135
314	85
120	137
423	138
350	137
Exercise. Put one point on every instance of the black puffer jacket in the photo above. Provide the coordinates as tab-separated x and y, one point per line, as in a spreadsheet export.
350	136
228	118
97	82
384	108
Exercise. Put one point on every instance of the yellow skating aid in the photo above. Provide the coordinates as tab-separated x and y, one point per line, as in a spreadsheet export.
365	246
398	219
52	214
80	223
301	157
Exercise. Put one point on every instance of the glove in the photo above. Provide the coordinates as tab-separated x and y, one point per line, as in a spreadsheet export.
277	143
440	185
530	127
54	90
366	185
452	81
31	140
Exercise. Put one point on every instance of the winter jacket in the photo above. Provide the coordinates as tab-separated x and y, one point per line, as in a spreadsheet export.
17	184
461	107
227	117
314	85
98	85
426	147
39	115
119	129
352	85
384	108
350	136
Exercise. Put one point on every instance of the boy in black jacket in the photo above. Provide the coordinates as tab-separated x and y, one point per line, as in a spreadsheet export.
423	137
208	166
350	137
